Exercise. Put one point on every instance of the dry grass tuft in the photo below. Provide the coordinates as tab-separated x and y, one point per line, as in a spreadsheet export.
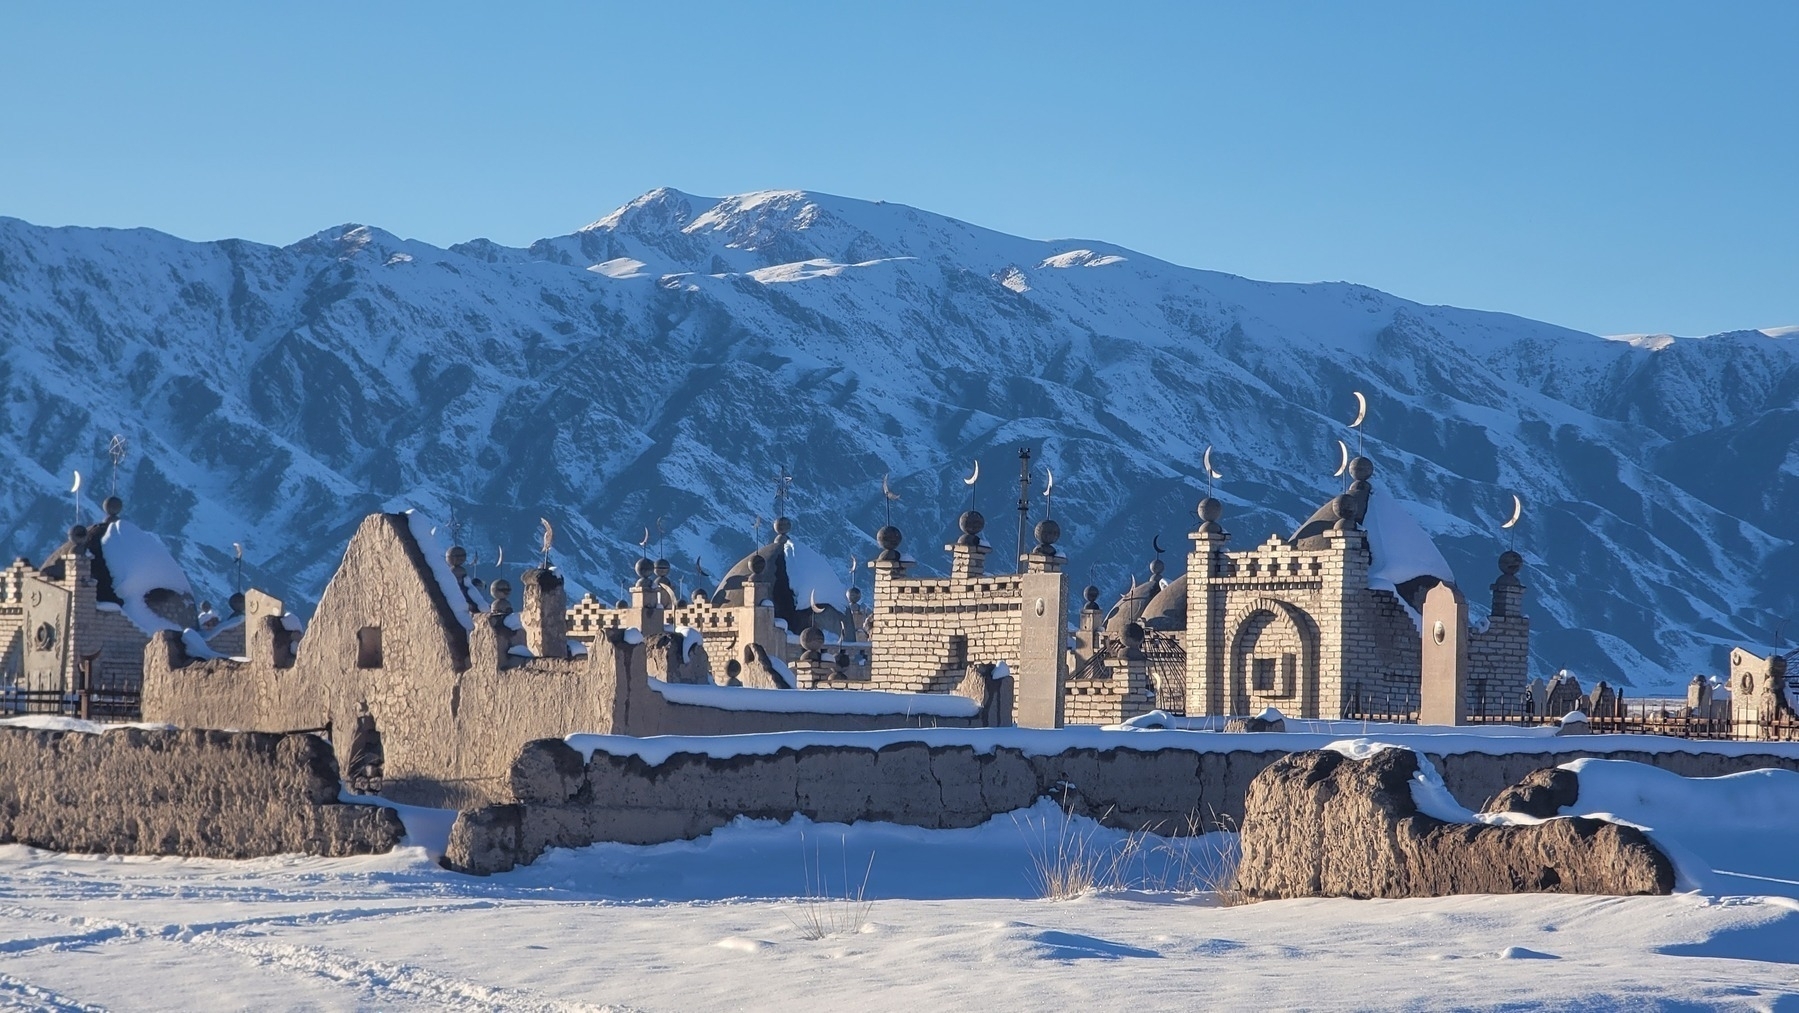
1071	859
825	912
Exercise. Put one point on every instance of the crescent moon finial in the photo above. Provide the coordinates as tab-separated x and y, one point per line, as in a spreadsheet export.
812	599
1049	485
77	486
237	549
645	544
972	479
1361	409
1343	463
1155	543
1517	512
499	556
1211	471
549	534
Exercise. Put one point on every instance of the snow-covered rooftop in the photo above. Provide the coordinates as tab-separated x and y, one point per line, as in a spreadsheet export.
140	563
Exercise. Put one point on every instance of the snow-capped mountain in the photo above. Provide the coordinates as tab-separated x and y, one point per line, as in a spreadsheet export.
671	359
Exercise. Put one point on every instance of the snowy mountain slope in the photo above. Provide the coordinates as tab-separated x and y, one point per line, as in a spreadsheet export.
670	359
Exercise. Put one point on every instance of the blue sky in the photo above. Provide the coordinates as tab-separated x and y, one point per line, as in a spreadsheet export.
1612	167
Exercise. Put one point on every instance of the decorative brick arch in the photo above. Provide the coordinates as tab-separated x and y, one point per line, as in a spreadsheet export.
1259	621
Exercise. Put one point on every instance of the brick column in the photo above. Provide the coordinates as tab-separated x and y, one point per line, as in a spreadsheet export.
1205	613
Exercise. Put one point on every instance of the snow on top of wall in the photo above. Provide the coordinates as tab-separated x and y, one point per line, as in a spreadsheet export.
1725	835
140	563
1400	546
816	701
1722	833
785	674
53	723
228	623
690	639
424	532
810	573
1305	734
1429	793
194	643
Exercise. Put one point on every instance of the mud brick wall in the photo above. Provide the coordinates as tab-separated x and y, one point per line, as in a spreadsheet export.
191	792
562	801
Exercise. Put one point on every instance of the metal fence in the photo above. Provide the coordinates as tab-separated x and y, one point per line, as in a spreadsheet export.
88	704
1608	716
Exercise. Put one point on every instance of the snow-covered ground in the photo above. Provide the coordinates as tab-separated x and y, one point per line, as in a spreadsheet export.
953	923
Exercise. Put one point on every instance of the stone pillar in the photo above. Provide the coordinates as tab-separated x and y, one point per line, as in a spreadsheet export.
1500	661
1204	637
1443	691
78	578
1757	694
1348	655
647	613
266	640
813	666
1699	696
1090	628
968	555
1044	558
544	613
1039	684
1508	591
1136	665
760	629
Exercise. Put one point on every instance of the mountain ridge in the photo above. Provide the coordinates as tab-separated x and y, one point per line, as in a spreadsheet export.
274	394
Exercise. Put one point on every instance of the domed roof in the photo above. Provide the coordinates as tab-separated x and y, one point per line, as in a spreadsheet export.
1167	609
1400	550
1130	606
143	578
1402	558
798	576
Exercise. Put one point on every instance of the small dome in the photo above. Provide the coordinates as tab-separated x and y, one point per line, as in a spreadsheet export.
1167	608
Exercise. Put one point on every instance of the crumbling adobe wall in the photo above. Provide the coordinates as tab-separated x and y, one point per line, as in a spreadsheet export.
453	705
1320	824
562	802
191	792
557	800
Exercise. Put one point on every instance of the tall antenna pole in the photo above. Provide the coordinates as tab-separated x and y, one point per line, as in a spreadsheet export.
782	481
116	450
1024	502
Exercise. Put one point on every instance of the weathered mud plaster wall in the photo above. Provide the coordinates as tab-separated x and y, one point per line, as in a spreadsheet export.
204	794
565	803
1319	824
1160	782
453	705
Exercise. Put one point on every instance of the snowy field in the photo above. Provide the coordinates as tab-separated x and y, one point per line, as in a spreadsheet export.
954	920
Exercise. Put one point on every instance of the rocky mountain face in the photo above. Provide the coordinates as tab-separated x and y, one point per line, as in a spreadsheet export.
661	367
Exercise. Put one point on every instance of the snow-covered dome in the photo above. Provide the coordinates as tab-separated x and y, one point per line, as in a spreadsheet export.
798	577
1400	550
142	578
1402	556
